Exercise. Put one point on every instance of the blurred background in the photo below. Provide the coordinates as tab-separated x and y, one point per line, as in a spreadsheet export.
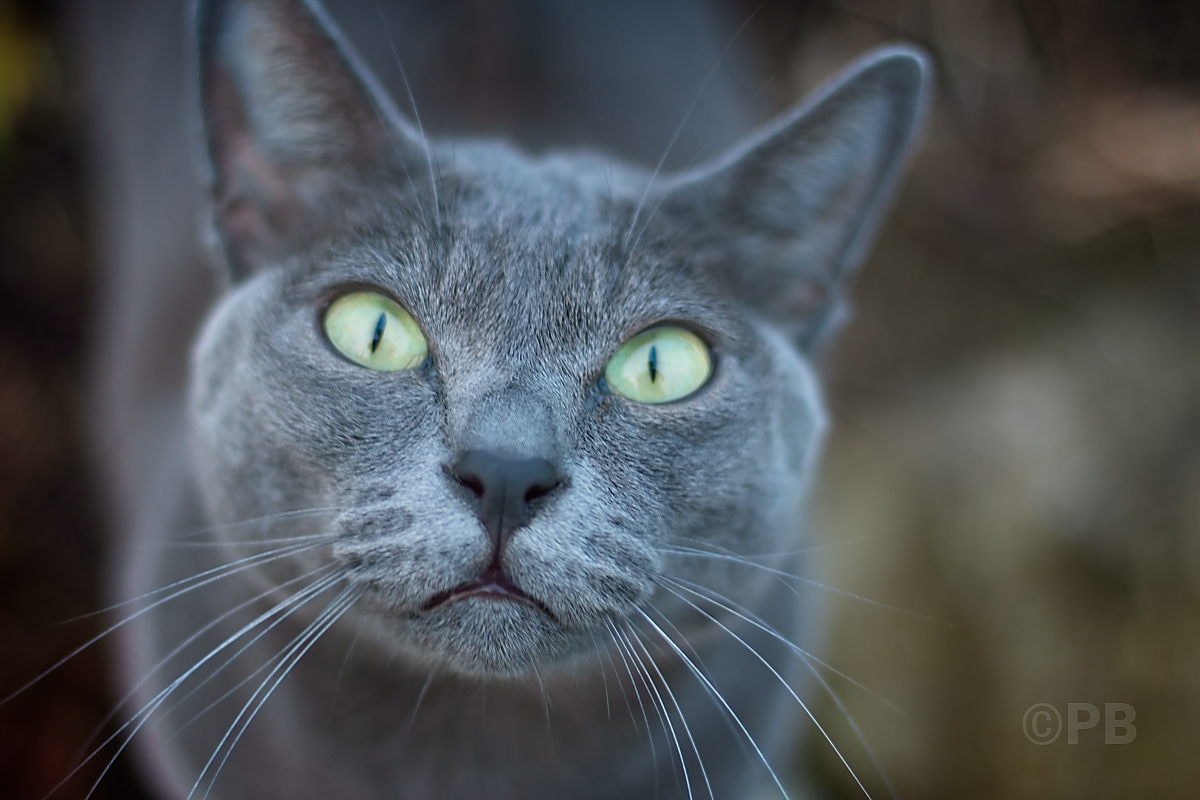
1015	465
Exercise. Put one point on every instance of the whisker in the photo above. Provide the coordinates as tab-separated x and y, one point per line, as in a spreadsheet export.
337	684
698	660
880	769
421	697
334	616
545	697
385	123
437	214
633	684
714	692
603	676
807	659
777	554
299	647
781	679
246	542
683	123
242	523
664	713
156	702
330	580
745	614
684	551
225	571
621	686
179	648
214	573
686	728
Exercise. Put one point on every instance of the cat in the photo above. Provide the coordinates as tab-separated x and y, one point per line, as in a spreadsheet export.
490	463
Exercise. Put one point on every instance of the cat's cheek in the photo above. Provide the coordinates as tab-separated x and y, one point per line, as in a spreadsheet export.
237	445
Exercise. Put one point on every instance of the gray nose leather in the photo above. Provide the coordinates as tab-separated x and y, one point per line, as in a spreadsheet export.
504	489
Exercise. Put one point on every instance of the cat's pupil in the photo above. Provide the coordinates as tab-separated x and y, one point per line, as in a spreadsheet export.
653	363
378	337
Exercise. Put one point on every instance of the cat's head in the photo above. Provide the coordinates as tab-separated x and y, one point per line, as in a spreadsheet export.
525	386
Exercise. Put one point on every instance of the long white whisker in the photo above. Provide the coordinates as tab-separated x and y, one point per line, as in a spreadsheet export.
686	728
437	214
728	605
633	684
212	574
294	652
621	686
421	697
248	542
337	684
386	124
880	769
692	545
698	660
782	574
342	602
545	697
156	702
603	676
683	123
313	638
225	571
664	713
782	681
242	523
719	697
236	654
807	659
181	646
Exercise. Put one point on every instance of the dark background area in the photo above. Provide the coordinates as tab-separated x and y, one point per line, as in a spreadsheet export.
51	533
1017	404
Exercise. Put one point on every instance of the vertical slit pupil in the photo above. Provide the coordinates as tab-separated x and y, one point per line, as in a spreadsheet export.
653	363
378	337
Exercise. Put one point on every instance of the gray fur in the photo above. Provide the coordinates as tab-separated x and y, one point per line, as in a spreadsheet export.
525	273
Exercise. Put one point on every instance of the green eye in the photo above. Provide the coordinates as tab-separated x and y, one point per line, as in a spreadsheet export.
371	330
659	365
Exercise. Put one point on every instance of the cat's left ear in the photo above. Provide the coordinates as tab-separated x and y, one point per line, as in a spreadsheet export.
786	217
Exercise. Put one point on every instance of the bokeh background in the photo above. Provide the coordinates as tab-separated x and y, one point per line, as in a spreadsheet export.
1015	468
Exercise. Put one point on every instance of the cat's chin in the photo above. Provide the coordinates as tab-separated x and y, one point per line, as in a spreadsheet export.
487	634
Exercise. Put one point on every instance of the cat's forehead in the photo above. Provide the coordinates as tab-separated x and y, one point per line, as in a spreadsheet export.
530	291
529	257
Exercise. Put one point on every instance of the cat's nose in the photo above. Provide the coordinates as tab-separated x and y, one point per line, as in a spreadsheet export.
504	489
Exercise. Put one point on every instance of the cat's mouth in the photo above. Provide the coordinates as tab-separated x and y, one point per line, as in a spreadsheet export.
492	584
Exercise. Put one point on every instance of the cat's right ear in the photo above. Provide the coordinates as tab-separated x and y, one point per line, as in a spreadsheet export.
787	216
292	126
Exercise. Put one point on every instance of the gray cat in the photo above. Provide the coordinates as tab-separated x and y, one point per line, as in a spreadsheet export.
490	463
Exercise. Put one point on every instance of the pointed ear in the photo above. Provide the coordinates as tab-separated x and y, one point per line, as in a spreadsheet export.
787	216
292	125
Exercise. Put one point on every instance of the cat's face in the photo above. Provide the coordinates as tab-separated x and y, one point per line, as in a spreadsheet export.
524	279
522	308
